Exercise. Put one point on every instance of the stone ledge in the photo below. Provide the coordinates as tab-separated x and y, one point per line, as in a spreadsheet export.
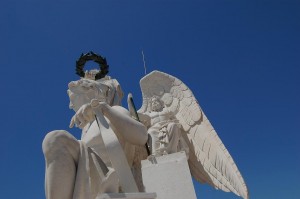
127	196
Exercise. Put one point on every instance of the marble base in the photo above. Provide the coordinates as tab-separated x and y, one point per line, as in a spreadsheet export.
169	177
127	196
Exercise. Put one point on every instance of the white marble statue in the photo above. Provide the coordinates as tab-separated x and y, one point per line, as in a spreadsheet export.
169	104
100	162
107	158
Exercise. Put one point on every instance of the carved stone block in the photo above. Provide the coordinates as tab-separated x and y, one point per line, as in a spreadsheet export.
169	176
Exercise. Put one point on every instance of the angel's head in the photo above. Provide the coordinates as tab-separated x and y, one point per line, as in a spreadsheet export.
84	90
156	104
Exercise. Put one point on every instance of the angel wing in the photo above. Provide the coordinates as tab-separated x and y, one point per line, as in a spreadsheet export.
209	160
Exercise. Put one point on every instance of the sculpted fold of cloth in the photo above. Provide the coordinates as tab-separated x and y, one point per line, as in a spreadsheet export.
81	169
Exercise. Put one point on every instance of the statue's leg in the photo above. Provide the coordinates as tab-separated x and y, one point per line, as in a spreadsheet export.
61	151
174	136
155	144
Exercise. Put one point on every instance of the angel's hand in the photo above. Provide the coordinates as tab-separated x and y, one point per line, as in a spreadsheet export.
83	116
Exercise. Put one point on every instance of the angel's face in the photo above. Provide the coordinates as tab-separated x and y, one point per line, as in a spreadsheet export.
156	104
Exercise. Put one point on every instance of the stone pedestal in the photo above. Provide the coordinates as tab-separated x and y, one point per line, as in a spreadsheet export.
169	177
127	196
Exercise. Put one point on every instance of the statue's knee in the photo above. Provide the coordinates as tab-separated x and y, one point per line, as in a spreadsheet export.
58	140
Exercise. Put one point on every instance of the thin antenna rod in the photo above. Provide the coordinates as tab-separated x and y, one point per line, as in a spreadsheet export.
144	62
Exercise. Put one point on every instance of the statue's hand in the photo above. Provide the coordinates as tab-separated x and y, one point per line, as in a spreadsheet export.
86	114
83	116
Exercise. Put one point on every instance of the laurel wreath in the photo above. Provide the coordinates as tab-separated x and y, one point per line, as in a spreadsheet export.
91	56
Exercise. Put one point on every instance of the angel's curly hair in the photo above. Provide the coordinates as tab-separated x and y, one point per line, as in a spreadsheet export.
155	97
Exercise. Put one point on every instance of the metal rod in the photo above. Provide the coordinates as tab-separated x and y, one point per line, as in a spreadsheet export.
144	62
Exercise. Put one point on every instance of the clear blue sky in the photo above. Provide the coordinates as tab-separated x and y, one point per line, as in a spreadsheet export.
240	58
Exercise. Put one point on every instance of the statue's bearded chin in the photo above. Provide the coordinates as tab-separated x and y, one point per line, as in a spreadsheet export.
156	107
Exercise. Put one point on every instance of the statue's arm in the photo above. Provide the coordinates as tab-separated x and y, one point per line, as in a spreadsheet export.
132	130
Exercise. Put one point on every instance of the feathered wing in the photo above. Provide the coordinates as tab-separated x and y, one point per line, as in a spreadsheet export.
209	160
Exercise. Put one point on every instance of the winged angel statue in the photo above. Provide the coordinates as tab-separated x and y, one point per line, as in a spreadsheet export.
209	160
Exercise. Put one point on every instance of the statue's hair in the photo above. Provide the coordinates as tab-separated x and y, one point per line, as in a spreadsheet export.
156	97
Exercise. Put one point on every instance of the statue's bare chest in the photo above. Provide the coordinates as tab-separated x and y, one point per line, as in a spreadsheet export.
159	116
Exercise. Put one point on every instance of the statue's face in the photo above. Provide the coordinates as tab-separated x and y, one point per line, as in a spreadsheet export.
156	104
84	90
